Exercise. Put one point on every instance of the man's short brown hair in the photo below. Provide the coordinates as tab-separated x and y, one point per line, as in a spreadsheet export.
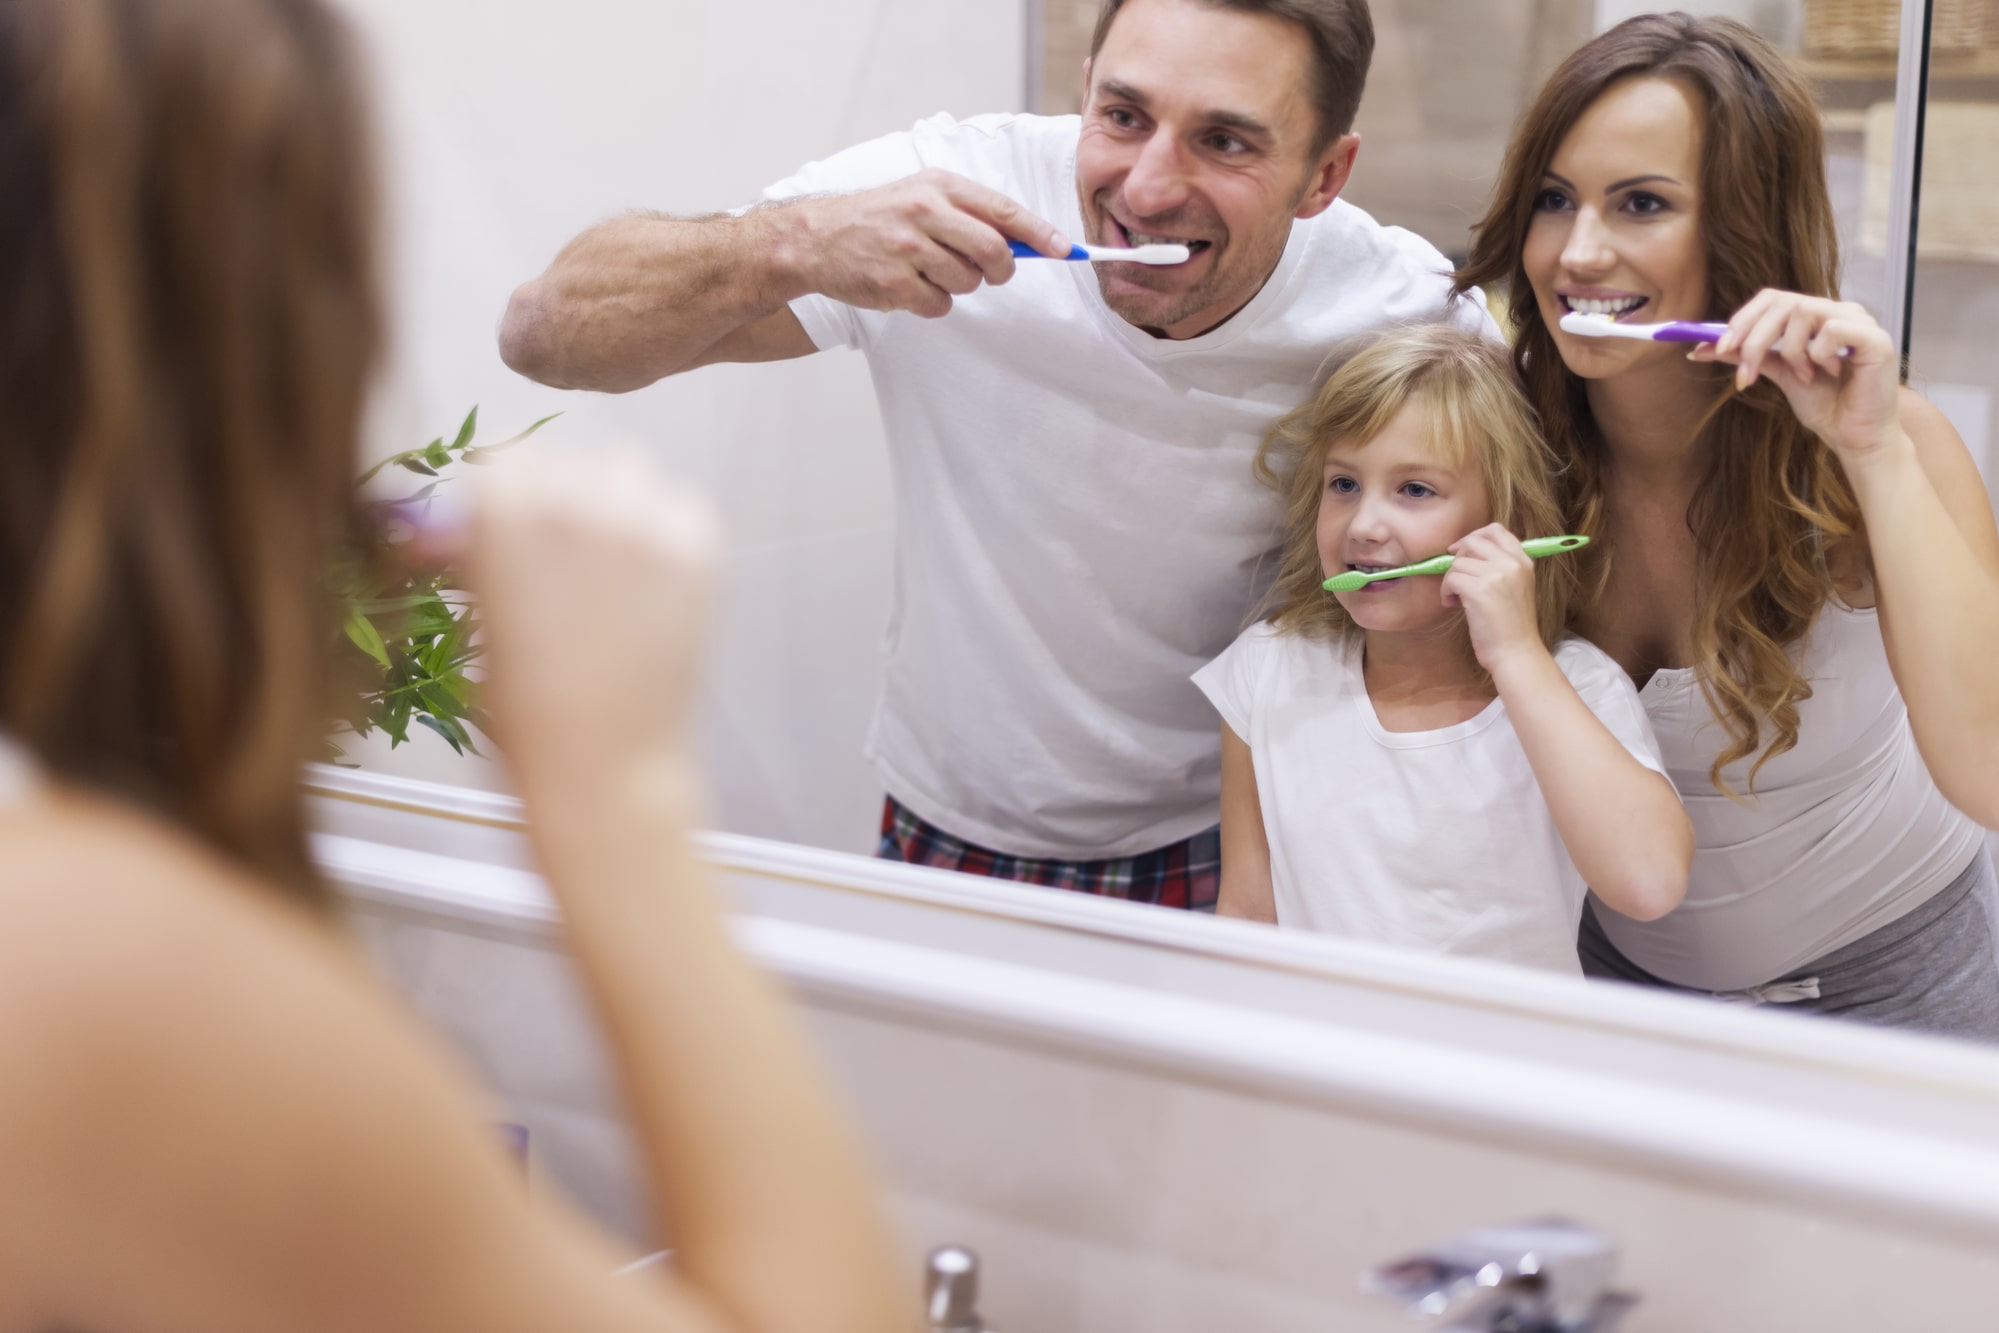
1342	33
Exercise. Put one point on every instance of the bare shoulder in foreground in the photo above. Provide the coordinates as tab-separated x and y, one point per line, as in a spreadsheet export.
217	1118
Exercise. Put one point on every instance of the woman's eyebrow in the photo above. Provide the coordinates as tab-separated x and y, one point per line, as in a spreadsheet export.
1614	186
1630	181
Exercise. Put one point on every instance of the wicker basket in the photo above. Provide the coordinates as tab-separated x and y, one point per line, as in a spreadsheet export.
1838	28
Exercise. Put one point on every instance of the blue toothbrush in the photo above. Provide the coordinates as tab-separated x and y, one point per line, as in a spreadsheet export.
1108	254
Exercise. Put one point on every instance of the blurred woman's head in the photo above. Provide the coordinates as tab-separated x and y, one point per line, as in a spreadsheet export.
1671	169
188	318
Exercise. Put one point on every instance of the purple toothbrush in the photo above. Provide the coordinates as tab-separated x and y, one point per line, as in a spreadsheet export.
1676	331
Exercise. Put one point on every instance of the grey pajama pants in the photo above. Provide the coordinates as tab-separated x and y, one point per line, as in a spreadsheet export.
1935	969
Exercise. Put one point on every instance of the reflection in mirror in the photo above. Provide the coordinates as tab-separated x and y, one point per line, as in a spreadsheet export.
805	731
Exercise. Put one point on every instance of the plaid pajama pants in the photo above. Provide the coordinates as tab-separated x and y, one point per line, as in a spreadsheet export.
1186	874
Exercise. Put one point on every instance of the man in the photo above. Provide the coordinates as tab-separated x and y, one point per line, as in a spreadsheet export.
1078	528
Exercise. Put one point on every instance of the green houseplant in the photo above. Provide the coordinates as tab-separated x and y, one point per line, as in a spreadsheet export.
410	634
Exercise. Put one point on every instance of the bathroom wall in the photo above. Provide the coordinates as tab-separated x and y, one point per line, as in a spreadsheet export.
508	126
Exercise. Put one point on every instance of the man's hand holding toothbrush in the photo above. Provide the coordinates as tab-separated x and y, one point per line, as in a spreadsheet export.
912	245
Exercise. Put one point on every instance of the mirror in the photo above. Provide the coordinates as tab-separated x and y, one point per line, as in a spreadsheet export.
508	129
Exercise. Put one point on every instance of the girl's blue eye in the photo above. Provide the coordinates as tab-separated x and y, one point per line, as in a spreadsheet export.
1343	485
1416	490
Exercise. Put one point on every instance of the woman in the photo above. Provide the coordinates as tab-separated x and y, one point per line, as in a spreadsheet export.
214	1118
1794	556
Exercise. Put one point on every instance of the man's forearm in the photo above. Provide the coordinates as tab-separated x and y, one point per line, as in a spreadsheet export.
643	297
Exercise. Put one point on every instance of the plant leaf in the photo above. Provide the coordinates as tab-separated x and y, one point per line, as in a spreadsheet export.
466	431
453	733
478	454
417	465
436	454
361	632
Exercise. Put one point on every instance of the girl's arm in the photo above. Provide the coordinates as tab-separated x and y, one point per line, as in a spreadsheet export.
1622	823
1930	530
1246	888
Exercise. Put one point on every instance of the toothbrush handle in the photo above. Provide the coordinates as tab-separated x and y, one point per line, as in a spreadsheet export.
1542	547
1436	564
1023	250
1688	331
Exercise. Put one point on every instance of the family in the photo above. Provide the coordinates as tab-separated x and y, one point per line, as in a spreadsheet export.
1744	743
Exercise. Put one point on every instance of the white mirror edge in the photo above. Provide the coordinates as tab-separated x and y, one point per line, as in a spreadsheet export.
1860	1122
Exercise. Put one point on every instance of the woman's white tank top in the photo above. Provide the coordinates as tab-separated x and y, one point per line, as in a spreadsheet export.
1845	833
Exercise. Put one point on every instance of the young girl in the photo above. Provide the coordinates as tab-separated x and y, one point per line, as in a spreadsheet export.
1428	762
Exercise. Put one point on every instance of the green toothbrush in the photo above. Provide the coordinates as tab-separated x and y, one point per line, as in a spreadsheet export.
1355	579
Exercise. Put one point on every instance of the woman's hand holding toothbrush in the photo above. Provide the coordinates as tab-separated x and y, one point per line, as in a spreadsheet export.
915	244
1493	580
1836	365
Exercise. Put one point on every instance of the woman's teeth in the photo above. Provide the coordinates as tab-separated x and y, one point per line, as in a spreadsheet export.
1623	305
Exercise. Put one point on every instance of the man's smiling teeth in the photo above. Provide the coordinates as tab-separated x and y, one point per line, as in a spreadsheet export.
1623	305
1138	238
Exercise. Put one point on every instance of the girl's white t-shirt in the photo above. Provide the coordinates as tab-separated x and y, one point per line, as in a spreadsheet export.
1432	840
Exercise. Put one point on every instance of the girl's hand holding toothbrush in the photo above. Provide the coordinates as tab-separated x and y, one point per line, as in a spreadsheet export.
913	245
1493	580
1847	398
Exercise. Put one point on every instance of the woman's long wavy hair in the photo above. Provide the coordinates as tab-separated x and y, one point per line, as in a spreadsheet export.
1774	505
188	318
1463	384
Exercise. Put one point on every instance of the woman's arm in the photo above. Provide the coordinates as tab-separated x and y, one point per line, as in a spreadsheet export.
1935	552
1246	887
1930	530
1622	823
753	1171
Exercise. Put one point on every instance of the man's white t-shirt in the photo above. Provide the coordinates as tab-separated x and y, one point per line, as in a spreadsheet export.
1077	526
1433	840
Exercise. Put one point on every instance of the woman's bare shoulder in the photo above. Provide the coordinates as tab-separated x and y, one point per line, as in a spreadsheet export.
119	934
186	1057
108	906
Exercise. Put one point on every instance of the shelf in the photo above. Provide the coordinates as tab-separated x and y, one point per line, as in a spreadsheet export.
1979	64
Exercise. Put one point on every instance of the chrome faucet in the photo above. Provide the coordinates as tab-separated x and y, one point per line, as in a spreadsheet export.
951	1291
1548	1276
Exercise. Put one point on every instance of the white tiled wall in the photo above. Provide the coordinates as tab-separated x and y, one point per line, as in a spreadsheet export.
510	125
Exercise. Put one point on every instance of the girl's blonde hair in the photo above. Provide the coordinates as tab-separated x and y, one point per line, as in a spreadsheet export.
1475	413
1774	512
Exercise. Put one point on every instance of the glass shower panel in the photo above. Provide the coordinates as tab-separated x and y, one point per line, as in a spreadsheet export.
1955	302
